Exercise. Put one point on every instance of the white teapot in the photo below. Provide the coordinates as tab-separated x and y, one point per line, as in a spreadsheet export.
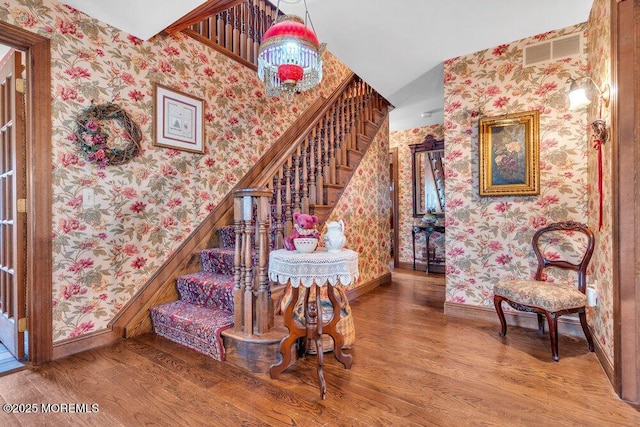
334	239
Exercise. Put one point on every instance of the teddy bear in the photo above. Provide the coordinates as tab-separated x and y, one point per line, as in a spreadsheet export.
304	226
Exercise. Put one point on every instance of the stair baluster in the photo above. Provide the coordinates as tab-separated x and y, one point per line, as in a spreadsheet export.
276	212
304	203
219	29
331	148
295	191
324	142
313	198
337	142
228	31
238	270
317	145
288	213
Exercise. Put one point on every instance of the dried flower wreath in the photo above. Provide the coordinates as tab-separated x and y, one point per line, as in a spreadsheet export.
93	139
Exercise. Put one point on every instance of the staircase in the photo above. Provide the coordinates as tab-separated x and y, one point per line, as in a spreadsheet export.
205	307
226	310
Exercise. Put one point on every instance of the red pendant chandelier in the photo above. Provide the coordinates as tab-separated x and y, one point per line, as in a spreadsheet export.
290	56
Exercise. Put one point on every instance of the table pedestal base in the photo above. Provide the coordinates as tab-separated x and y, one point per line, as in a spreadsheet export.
312	332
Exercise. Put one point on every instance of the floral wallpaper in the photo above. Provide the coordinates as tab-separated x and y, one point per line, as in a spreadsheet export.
143	209
600	317
489	238
402	140
364	207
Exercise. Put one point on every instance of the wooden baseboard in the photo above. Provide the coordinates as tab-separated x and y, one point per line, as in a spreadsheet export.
368	287
566	325
605	362
84	342
409	266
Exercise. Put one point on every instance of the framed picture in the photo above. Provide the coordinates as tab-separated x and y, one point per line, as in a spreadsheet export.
510	154
179	120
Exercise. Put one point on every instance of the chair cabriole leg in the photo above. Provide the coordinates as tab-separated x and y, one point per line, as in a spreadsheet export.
497	302
585	328
540	324
552	319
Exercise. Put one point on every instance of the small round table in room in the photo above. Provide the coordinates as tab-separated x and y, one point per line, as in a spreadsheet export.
312	271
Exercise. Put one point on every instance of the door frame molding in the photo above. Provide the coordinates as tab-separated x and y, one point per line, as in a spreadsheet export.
38	175
625	33
393	152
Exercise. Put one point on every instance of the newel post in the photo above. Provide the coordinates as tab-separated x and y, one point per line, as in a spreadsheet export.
253	311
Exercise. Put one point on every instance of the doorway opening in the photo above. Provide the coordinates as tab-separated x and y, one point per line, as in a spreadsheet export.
13	219
33	325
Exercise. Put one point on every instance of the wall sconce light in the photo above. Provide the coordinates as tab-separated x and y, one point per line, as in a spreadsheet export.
578	93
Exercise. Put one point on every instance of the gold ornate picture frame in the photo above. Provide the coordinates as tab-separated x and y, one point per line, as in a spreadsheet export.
510	154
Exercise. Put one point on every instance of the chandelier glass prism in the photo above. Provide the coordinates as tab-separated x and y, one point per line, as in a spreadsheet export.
289	57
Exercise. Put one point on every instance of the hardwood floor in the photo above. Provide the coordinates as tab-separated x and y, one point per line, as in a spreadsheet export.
412	366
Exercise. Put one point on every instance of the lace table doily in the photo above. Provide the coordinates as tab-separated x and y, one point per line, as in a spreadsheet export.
319	267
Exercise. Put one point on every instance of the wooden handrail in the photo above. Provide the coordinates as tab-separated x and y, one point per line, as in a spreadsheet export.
302	131
201	13
234	27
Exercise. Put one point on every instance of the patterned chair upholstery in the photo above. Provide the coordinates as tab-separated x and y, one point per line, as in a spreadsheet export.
557	245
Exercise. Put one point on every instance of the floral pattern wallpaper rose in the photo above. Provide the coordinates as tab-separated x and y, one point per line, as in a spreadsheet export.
364	207
402	140
599	59
489	238
144	209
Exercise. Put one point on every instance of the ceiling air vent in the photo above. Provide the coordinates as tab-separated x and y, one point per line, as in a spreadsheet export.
552	50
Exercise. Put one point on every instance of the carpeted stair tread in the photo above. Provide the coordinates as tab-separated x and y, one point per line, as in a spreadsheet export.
205	307
192	325
217	260
206	289
227	236
221	260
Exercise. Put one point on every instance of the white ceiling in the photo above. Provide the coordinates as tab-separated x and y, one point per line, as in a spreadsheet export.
397	47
